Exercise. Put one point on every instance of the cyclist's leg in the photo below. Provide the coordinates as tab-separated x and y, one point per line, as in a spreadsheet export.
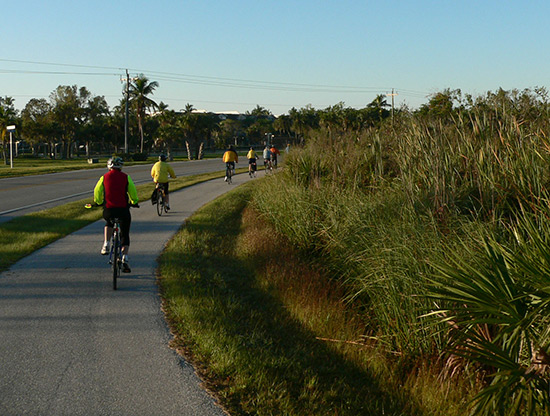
166	197
107	230
125	222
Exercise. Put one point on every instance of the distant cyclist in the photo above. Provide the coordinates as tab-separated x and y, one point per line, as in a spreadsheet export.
160	172
230	157
116	191
274	152
267	156
252	157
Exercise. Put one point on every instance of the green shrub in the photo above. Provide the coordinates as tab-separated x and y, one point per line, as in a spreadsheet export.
140	157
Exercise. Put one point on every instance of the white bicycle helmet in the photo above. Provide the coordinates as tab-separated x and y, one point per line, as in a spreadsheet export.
115	162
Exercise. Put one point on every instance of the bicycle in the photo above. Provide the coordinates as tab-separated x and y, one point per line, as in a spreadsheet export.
115	255
161	200
268	166
252	169
228	172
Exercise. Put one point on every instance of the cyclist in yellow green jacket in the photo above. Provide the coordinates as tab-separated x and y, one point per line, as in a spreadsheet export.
116	192
160	172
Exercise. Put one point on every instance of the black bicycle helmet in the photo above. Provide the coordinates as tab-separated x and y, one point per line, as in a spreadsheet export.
162	158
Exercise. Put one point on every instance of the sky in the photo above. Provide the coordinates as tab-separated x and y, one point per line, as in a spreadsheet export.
235	55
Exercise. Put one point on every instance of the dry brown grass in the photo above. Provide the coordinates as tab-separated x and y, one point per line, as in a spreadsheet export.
317	301
304	287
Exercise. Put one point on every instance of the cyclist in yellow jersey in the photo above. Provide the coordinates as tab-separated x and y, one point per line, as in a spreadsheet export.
160	172
251	156
230	157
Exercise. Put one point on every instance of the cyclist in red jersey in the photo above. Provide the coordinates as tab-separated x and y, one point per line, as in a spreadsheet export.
274	152
116	192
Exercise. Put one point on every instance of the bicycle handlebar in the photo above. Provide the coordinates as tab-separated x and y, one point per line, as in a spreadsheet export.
88	206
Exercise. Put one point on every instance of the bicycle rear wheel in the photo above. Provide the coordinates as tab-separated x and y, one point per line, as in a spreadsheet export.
160	203
116	260
228	174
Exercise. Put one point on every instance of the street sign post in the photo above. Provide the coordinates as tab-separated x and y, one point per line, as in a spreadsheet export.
11	129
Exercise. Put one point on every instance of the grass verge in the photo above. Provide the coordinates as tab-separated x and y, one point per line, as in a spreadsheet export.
268	332
36	166
23	235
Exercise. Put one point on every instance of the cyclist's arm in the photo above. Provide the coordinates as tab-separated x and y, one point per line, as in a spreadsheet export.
171	172
99	192
132	191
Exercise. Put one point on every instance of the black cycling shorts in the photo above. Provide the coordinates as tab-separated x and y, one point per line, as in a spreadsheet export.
125	219
164	185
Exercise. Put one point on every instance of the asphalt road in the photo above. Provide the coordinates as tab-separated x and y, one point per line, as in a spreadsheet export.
25	194
70	345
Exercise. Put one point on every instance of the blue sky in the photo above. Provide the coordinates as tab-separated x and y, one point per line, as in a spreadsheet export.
234	55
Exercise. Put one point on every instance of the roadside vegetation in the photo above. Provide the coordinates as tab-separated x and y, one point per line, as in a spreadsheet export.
437	227
428	233
270	333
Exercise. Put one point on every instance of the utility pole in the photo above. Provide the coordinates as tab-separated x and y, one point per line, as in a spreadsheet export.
393	94
126	113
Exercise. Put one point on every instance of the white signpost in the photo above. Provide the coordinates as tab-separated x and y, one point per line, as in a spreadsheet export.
11	129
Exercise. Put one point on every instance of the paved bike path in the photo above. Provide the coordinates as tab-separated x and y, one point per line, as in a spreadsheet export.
70	345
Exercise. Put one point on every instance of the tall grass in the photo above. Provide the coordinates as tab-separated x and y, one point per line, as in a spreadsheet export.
232	292
380	208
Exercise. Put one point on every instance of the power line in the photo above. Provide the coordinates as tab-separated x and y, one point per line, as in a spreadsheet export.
212	81
19	71
208	81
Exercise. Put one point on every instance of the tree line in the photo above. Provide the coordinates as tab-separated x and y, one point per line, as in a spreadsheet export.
74	122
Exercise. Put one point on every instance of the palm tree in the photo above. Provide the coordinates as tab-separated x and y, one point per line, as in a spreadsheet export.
188	108
140	89
259	111
496	306
283	124
197	129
